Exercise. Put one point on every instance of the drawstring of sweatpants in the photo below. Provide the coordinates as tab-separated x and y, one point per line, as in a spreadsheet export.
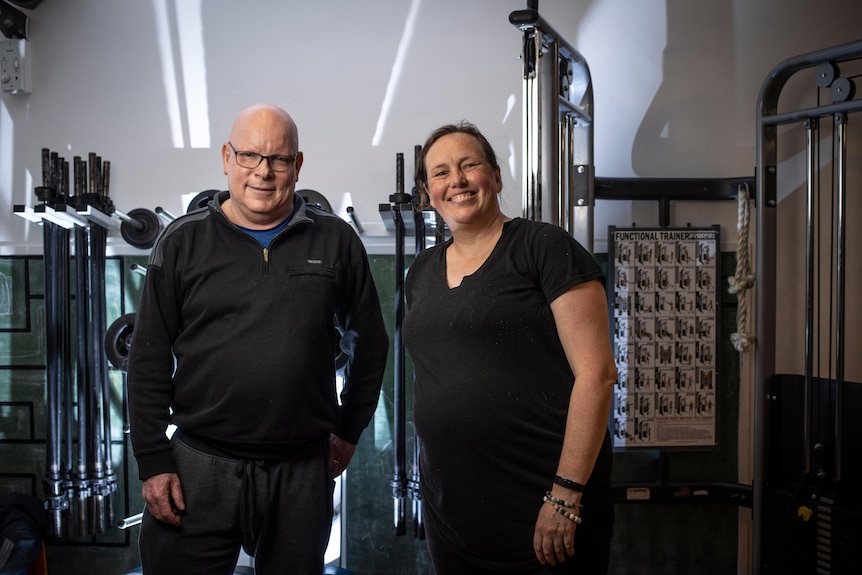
250	517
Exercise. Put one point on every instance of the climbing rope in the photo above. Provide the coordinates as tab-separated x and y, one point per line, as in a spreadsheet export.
743	279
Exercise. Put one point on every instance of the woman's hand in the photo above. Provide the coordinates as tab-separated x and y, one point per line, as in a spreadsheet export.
554	537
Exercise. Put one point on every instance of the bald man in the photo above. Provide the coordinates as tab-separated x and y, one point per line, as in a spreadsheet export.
246	304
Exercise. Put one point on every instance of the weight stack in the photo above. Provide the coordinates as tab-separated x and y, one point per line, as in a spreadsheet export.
826	542
813	520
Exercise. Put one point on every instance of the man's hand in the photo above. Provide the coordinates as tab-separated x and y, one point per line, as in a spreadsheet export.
340	454
164	497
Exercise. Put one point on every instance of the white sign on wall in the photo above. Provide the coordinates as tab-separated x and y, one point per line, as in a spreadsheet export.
664	317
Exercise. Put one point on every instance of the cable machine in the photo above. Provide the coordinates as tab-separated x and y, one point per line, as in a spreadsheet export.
560	187
558	128
807	431
824	529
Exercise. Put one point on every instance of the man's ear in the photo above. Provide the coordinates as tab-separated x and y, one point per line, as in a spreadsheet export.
225	157
298	162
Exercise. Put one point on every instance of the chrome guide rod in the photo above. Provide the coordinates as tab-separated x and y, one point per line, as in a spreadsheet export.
532	178
414	484
568	160
549	127
841	163
561	213
813	195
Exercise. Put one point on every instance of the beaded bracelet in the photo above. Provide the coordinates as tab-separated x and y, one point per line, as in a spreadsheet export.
562	511
562	502
569	484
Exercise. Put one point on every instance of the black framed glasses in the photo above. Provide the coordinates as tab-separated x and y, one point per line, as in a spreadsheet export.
252	160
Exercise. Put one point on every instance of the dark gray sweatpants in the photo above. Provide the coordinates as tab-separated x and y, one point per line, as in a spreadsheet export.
281	511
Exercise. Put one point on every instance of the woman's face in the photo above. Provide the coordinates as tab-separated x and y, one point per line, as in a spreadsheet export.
462	183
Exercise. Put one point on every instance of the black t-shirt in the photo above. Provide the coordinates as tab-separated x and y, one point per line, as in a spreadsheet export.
492	387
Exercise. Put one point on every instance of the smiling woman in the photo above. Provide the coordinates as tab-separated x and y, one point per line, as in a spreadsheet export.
505	316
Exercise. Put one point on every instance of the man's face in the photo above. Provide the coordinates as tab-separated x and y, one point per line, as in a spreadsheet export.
261	196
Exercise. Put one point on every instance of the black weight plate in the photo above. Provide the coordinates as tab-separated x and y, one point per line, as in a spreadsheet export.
315	198
201	200
146	236
118	341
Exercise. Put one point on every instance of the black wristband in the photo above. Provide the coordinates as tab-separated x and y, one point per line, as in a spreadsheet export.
569	484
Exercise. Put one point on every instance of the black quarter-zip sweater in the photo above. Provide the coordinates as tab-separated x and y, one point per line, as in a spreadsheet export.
236	344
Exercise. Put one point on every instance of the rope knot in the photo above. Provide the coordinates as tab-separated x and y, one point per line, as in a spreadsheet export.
740	284
743	279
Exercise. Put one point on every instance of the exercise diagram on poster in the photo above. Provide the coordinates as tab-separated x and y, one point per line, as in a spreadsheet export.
664	308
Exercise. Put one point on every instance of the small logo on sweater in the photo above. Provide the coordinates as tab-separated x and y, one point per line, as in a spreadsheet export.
317	262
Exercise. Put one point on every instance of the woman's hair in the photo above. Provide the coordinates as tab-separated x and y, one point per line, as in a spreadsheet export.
463	127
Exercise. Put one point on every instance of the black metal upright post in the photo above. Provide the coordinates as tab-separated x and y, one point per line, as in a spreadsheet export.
100	469
413	487
101	326
399	477
64	328
81	483
56	249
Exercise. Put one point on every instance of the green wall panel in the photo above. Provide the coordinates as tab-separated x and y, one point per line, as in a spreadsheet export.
23	425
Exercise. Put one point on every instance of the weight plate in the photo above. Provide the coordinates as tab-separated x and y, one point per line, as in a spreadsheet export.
201	200
118	341
314	198
145	236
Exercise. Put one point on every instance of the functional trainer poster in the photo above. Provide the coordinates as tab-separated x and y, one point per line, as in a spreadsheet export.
664	322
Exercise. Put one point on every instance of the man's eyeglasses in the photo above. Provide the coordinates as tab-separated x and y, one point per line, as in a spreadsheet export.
253	159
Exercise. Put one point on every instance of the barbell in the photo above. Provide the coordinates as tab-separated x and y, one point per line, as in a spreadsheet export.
140	227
